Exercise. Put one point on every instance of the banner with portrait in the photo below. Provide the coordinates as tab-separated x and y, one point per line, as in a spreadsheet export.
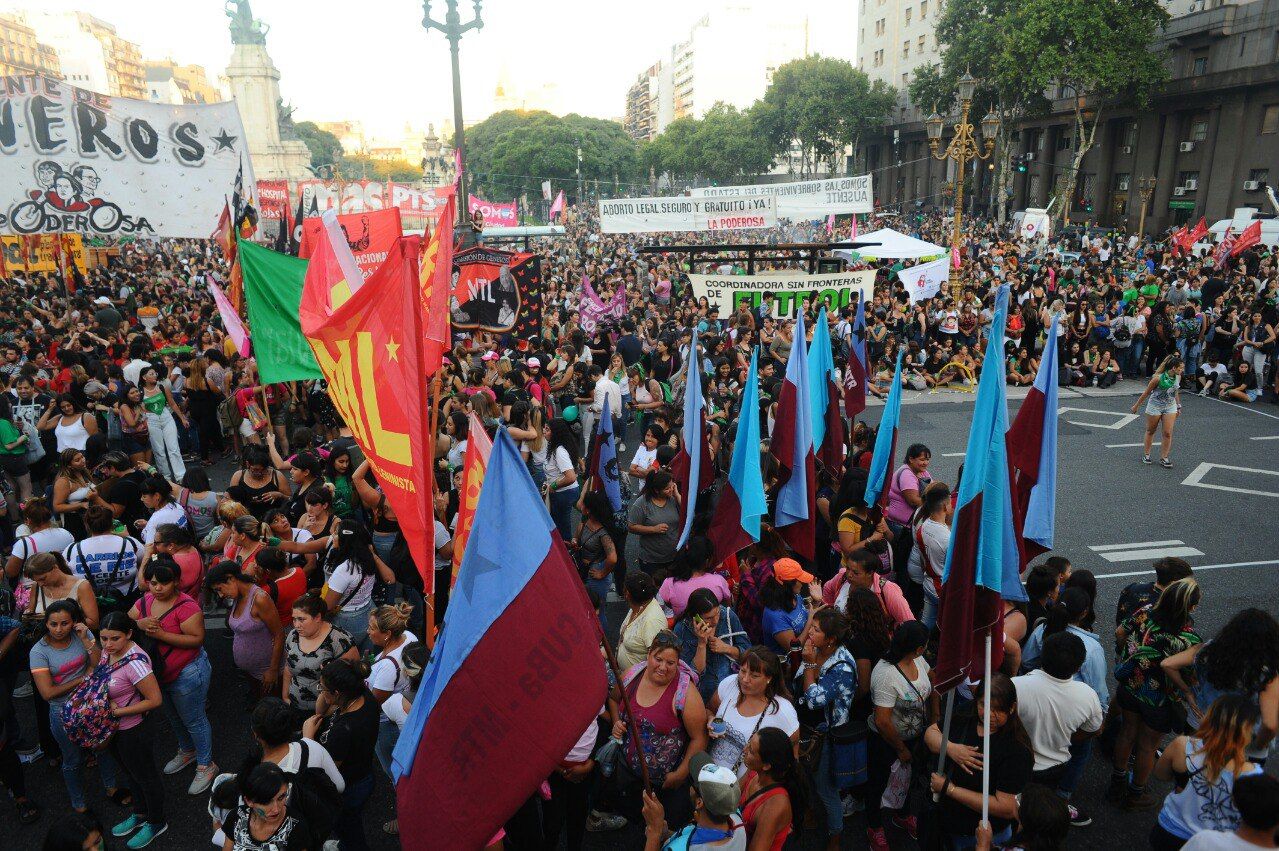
676	214
788	289
805	200
76	161
496	291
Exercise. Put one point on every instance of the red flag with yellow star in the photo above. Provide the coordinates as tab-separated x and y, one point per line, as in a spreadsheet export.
370	347
478	448
436	279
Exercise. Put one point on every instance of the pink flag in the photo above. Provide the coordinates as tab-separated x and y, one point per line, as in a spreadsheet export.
830	223
557	208
954	256
230	320
853	233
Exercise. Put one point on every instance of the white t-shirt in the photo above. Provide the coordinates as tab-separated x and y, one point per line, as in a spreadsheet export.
557	464
889	688
387	673
170	512
347	576
1052	710
101	557
727	749
442	538
585	746
1218	840
644	457
1213	370
936	537
396	707
316	757
53	539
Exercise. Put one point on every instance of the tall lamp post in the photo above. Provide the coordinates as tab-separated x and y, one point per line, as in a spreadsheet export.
961	149
453	28
1145	188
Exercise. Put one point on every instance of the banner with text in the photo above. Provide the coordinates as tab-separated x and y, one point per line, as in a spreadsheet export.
497	291
370	236
356	196
273	200
411	200
76	161
789	290
806	199
496	215
40	253
661	215
926	279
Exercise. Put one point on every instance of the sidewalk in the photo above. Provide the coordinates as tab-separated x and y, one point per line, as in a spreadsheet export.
1127	387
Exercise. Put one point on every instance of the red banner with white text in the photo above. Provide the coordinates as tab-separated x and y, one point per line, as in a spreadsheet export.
273	200
370	236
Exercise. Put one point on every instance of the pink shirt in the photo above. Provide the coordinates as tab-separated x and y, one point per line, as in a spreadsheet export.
899	510
122	688
889	593
675	592
175	658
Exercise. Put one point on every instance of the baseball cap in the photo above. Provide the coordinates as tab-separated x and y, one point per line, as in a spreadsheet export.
534	363
489	355
103	300
716	785
788	570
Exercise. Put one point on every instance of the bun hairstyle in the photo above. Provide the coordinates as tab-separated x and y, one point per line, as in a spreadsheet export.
250	526
272	559
274	722
99	519
393	617
36	511
345	677
230	511
312	604
260	782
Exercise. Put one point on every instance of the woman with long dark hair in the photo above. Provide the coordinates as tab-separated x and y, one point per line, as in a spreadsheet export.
773	790
691	571
596	544
356	568
741	705
1011	758
654	519
561	475
713	640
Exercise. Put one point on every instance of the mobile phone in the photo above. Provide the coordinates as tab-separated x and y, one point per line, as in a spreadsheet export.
699	621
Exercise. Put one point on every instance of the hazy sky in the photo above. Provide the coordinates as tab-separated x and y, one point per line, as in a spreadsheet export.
372	61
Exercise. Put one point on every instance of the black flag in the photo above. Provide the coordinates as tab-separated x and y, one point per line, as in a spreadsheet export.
295	234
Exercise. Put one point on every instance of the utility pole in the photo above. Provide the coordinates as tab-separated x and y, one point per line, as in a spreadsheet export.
453	28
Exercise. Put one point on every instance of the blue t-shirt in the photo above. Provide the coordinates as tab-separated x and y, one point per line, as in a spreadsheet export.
777	620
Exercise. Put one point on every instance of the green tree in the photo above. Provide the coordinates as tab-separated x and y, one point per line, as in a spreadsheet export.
826	104
726	148
324	146
1095	53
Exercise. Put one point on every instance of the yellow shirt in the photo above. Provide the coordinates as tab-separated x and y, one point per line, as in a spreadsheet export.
638	632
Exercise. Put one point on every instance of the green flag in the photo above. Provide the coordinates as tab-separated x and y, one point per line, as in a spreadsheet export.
272	291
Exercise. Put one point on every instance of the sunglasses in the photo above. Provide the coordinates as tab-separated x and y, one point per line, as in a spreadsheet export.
665	639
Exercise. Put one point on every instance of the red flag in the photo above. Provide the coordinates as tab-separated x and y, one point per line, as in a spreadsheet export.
1251	236
478	448
435	279
1200	231
371	352
223	233
1224	248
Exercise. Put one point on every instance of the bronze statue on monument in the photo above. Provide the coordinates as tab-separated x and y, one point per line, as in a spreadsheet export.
244	28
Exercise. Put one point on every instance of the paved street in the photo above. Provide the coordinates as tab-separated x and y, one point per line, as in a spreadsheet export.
1215	508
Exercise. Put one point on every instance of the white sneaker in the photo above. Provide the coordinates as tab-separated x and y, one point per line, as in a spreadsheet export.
598	822
180	760
203	779
23	690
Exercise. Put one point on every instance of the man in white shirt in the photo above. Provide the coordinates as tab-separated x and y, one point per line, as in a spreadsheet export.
1056	709
105	558
607	388
133	369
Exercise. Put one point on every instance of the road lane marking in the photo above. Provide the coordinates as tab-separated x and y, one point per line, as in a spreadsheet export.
1132	445
1198	568
1123	419
1196	479
1145	551
1267	437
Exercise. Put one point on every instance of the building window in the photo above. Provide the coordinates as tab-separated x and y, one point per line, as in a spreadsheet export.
1199	129
905	82
1121	181
1184	177
863	36
1039	140
1199	63
923	9
1063	142
921	44
1261	175
1130	135
905	50
879	27
907	14
1270	118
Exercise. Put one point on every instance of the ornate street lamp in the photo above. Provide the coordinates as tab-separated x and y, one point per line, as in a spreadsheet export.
1145	188
453	28
961	149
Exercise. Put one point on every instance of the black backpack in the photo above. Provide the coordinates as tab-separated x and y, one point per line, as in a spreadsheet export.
315	797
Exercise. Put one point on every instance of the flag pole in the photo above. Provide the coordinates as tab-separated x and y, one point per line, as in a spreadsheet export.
631	728
945	737
985	735
430	437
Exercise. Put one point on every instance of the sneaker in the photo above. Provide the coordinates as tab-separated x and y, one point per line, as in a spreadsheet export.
598	822
1137	801
203	779
908	825
1165	463
852	806
1078	818
1145	459
145	836
124	828
876	840
1203	392
180	760
31	755
23	690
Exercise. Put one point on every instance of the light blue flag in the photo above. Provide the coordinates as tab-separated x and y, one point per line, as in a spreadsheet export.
881	460
821	372
692	434
744	473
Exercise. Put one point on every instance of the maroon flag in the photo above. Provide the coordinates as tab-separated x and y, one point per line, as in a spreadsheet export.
1251	236
1224	248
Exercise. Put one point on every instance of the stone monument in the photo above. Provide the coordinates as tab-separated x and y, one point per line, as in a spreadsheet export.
255	85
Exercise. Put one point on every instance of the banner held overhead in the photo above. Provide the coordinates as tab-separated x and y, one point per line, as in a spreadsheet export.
838	290
805	199
661	215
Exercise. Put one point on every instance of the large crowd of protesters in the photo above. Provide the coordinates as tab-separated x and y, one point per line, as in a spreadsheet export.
778	699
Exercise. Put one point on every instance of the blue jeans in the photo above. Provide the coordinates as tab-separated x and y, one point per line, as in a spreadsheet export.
1135	351
1079	754
72	759
826	792
959	843
387	734
355	624
601	587
929	617
349	825
562	502
184	707
1190	355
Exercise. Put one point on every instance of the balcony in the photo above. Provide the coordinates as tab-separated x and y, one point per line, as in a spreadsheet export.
1201	26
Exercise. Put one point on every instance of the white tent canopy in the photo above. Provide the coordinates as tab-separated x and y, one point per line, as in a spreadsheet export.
897	246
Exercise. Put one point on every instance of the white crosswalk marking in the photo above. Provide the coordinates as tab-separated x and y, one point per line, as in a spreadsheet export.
1145	551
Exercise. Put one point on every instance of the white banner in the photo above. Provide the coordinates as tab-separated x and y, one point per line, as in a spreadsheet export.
75	161
926	279
807	199
789	289
661	215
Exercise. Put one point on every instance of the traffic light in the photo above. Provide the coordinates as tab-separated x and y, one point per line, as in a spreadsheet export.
1022	163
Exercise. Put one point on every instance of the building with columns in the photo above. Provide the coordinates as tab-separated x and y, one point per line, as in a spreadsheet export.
1210	136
